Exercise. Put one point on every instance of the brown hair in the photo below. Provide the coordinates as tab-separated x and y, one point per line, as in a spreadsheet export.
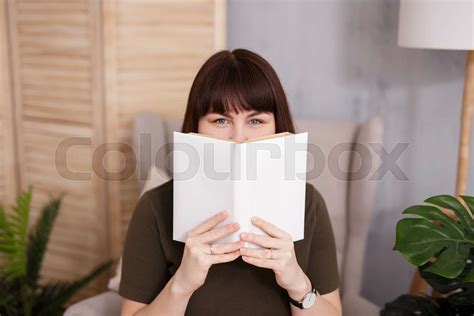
230	81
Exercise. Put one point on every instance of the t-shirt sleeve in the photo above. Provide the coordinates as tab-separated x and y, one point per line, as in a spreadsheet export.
144	268
322	264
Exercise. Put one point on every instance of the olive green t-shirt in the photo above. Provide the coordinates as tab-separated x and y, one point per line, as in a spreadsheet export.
151	257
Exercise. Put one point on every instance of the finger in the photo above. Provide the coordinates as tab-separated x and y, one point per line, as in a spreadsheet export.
209	223
218	233
227	257
227	247
262	263
264	241
269	228
264	253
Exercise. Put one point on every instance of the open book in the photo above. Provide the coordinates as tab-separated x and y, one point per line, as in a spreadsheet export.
263	177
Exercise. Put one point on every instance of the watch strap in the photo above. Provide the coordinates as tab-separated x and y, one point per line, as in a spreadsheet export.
299	304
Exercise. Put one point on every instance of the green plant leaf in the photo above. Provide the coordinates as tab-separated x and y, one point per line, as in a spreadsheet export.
464	300
39	238
451	261
3	219
453	204
434	213
419	239
21	257
469	277
409	305
443	249
54	296
436	236
470	202
10	303
13	235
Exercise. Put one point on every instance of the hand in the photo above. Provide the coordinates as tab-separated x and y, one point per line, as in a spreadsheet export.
197	259
288	273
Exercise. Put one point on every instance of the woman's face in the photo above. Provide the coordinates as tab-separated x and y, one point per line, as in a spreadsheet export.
237	127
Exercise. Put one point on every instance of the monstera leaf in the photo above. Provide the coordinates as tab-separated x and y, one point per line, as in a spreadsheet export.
437	238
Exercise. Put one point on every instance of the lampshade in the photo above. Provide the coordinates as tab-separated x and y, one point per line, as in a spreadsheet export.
438	24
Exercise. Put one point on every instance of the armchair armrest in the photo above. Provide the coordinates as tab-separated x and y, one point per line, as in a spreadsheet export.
105	304
355	305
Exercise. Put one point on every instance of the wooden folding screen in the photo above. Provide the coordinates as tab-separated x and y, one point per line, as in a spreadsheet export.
81	70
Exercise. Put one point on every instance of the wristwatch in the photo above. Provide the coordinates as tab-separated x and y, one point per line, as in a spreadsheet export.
307	301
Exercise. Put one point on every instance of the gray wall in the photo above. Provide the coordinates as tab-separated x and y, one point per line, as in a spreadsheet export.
340	60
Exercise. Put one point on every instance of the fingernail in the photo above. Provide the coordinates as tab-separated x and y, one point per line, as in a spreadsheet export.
236	225
225	213
255	219
243	235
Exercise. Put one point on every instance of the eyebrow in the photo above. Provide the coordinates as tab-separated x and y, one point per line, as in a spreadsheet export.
253	113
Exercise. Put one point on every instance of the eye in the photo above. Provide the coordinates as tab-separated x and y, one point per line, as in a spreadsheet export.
256	120
219	120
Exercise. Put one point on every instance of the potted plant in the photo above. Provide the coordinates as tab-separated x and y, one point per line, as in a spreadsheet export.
21	256
440	242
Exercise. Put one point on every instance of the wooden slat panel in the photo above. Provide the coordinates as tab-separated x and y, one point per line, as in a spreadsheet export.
50	6
58	92
165	14
8	166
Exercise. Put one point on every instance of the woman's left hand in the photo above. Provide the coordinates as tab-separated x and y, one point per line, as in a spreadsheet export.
278	254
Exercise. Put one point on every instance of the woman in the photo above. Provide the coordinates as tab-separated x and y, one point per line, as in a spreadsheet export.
235	95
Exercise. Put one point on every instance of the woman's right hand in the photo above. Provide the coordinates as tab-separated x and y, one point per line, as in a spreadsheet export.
197	259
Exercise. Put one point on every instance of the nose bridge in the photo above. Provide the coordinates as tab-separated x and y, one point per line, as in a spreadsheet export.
238	131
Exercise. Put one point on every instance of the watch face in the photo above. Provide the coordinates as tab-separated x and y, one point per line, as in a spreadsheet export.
309	300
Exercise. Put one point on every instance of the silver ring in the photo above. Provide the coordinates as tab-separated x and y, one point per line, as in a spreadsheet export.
210	248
